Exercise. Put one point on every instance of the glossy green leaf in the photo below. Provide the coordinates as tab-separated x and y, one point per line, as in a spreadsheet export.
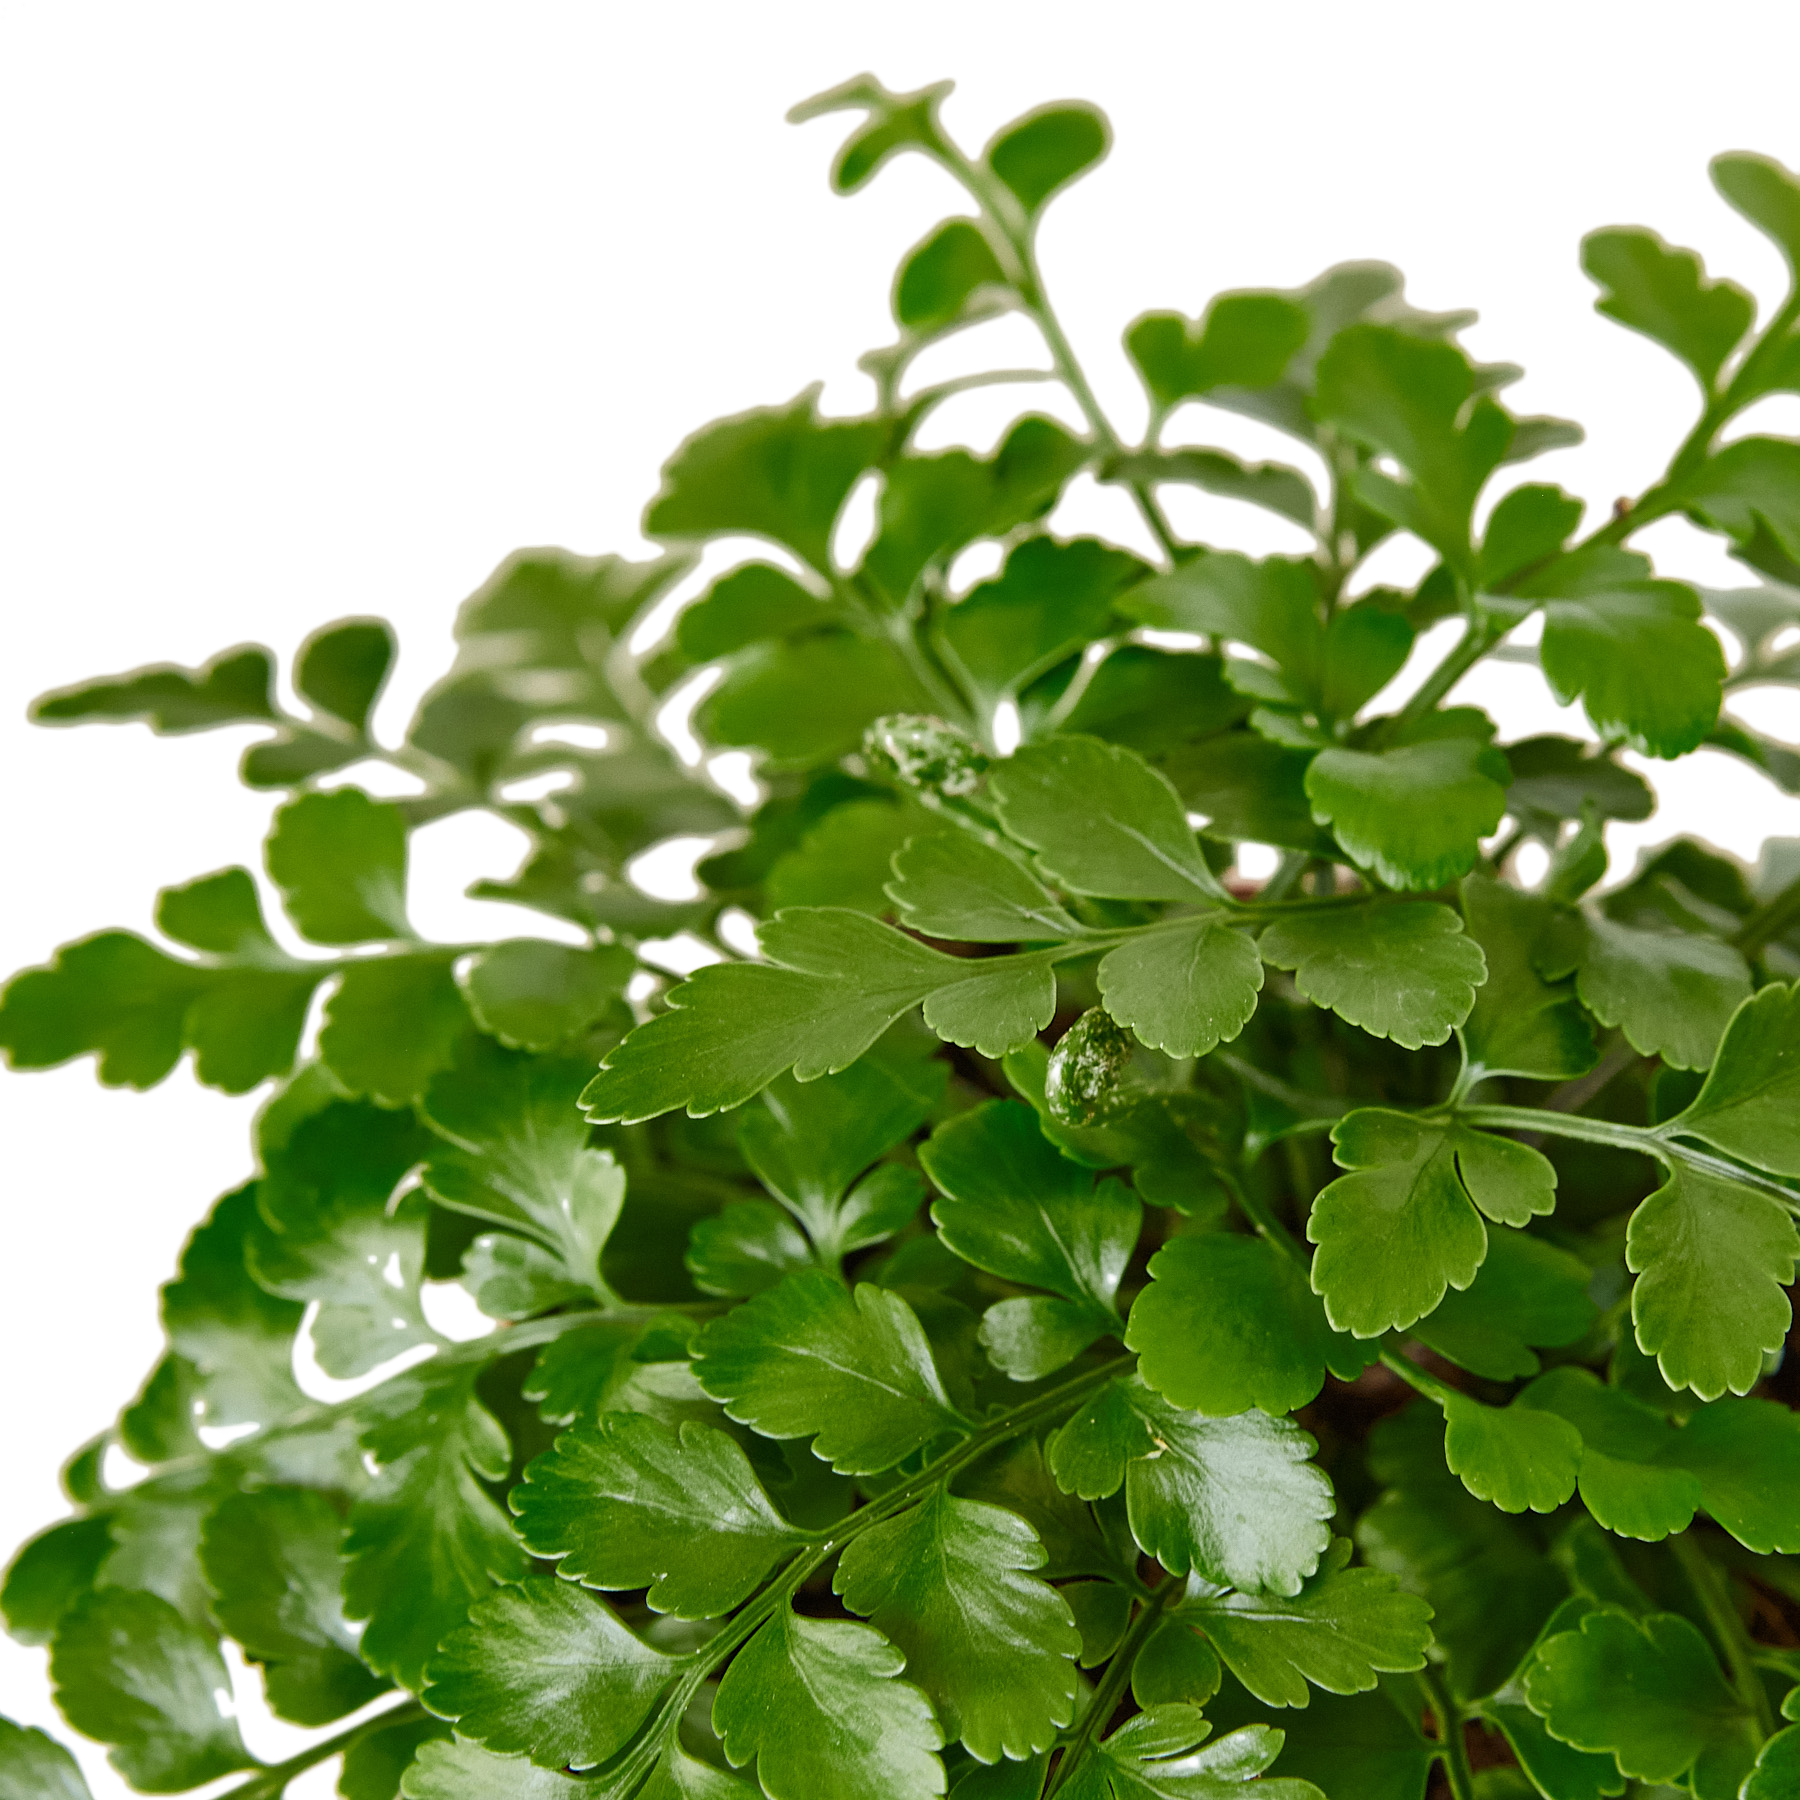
132	1672
631	1503
454	1769
950	1584
1671	994
1186	988
950	884
1664	292
748	1245
816	1705
851	1371
340	862
1527	1293
1747	1106
228	689
1513	1457
1234	1499
1404	971
1521	1024
34	1766
1228	1323
1153	1756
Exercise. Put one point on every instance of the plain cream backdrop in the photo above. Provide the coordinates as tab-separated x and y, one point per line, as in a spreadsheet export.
323	309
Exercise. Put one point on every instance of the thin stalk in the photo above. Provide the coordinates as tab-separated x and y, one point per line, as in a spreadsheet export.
1773	919
1111	1686
1728	1628
267	1783
1572	1096
1476	641
1455	1752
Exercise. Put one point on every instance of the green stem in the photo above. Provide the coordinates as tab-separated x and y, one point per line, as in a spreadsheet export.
1728	1628
1111	1686
1454	1751
1771	920
1477	640
267	1783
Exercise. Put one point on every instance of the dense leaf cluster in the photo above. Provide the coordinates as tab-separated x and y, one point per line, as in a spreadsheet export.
1060	1318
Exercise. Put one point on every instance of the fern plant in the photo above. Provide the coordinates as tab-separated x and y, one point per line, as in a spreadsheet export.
1059	1319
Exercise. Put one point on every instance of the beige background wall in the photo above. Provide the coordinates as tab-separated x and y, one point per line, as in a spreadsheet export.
322	309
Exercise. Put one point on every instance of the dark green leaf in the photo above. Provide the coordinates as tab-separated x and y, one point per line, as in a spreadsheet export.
1748	1106
358	1041
815	1704
50	1573
1363	1747
231	688
376	1762
949	277
631	1503
1521	1024
1672	994
1249	788
340	862
1557	778
341	668
1185	988
746	1247
1526	1293
1514	1457
950	1584
950	884
1664	293
1777	1770
1153	1757
1047	149
132	1672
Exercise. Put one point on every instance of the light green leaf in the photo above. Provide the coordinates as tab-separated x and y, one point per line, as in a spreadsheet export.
1747	491
1664	292
1397	1230
1648	1691
1228	1323
1529	526
455	1769
342	667
534	995
271	1558
950	884
1279	487
1243	340
1766	193
950	1584
1514	1457
1521	1024
1750	1105
851	1371
132	1672
1342	1628
753	602
426	1539
846	858
1233	1499
835	980
230	688
1671	993
780	472
547	1670
340	862
631	1503
1040	153
1185	988
358	1041
34	1766
1711	1258
1526	1293
1103	821
1404	971
815	1704
950	276
1414	816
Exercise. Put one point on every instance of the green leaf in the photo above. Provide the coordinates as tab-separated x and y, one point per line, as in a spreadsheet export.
426	1539
1186	987
1521	1024
845	859
1639	660
342	670
1242	340
815	1704
1664	292
1414	816
755	601
748	1245
1747	491
1557	778
1361	1747
1277	486
1672	994
779	472
534	995
1042	152
808	700
1402	971
596	1370
328	1235
1777	1770
271	1559
1514	1457
1712	1258
951	276
517	1153
834	982
1416	400
1228	1323
851	1371
1526	1293
1342	1628
1249	788
1744	1453
454	1769
358	1042
1175	1665
34	1766
1397	1230
1747	1107
630	1503
1046	604
547	1670
1153	1757
1102	821
949	1583
376	1763
895	122
340	862
1528	526
1649	1691
1233	1499
1766	193
132	1672
950	884
49	1573
229	689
